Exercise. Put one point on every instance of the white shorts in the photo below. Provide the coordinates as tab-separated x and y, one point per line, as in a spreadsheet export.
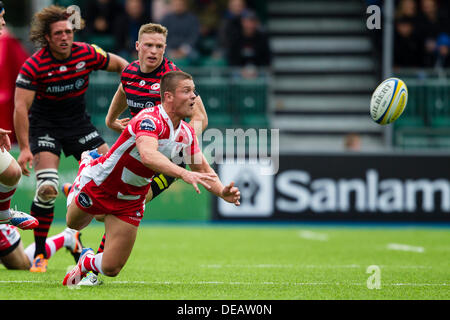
9	239
5	160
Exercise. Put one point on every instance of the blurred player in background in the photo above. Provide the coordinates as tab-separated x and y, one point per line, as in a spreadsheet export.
117	184
13	256
139	89
10	174
51	87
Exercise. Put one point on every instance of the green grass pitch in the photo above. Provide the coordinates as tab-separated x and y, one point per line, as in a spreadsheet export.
255	262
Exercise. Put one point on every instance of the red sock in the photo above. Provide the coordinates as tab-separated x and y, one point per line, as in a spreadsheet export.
89	262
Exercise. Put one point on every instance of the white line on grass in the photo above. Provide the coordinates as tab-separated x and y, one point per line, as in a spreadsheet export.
249	283
309	235
405	247
300	266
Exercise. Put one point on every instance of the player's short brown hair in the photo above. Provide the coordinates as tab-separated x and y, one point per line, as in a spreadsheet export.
170	80
152	28
42	20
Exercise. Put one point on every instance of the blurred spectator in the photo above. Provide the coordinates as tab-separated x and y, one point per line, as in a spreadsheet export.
352	142
430	26
126	27
160	8
251	46
230	26
209	13
442	52
184	32
100	16
408	49
407	9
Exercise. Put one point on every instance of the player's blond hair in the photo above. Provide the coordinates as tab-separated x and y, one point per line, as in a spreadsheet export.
42	20
170	80
152	28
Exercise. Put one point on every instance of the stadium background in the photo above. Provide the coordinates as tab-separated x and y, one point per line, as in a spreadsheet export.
316	91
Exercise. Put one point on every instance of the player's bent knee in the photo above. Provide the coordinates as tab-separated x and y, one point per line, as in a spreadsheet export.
112	270
11	176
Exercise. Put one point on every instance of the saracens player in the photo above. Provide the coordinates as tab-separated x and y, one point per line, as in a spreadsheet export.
139	89
51	87
116	184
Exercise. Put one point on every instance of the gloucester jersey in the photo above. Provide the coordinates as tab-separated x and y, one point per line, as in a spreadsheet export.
142	89
60	85
118	182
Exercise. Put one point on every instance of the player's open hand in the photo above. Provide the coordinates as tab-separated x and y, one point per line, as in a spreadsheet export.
196	178
231	194
25	161
5	143
121	124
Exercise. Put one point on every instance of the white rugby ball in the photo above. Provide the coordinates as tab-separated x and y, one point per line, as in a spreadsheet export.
388	101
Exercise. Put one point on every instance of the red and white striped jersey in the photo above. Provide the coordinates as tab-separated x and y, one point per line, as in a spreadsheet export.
121	172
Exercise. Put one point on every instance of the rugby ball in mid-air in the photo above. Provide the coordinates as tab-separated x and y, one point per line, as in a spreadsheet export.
388	101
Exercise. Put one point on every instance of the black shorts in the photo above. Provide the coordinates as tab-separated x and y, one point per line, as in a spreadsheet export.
73	141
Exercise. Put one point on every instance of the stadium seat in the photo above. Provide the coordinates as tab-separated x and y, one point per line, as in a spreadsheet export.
250	102
216	99
106	42
410	121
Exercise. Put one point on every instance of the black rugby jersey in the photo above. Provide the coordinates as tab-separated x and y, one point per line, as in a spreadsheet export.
60	85
142	89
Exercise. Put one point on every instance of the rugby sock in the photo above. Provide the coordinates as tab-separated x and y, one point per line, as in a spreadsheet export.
92	263
101	248
52	245
6	193
45	218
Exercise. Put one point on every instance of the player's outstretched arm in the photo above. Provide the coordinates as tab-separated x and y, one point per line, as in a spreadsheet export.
155	160
229	193
5	143
116	63
117	107
23	99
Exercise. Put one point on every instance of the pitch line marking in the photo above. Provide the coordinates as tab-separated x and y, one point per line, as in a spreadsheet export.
405	247
248	283
310	235
306	266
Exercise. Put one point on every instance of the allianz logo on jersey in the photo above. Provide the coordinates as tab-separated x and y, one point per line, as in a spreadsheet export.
89	137
140	105
68	87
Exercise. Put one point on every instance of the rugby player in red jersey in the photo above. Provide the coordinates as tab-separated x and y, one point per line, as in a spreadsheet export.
117	183
10	174
50	109
139	89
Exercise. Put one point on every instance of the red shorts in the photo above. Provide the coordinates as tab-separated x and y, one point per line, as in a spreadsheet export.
93	200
